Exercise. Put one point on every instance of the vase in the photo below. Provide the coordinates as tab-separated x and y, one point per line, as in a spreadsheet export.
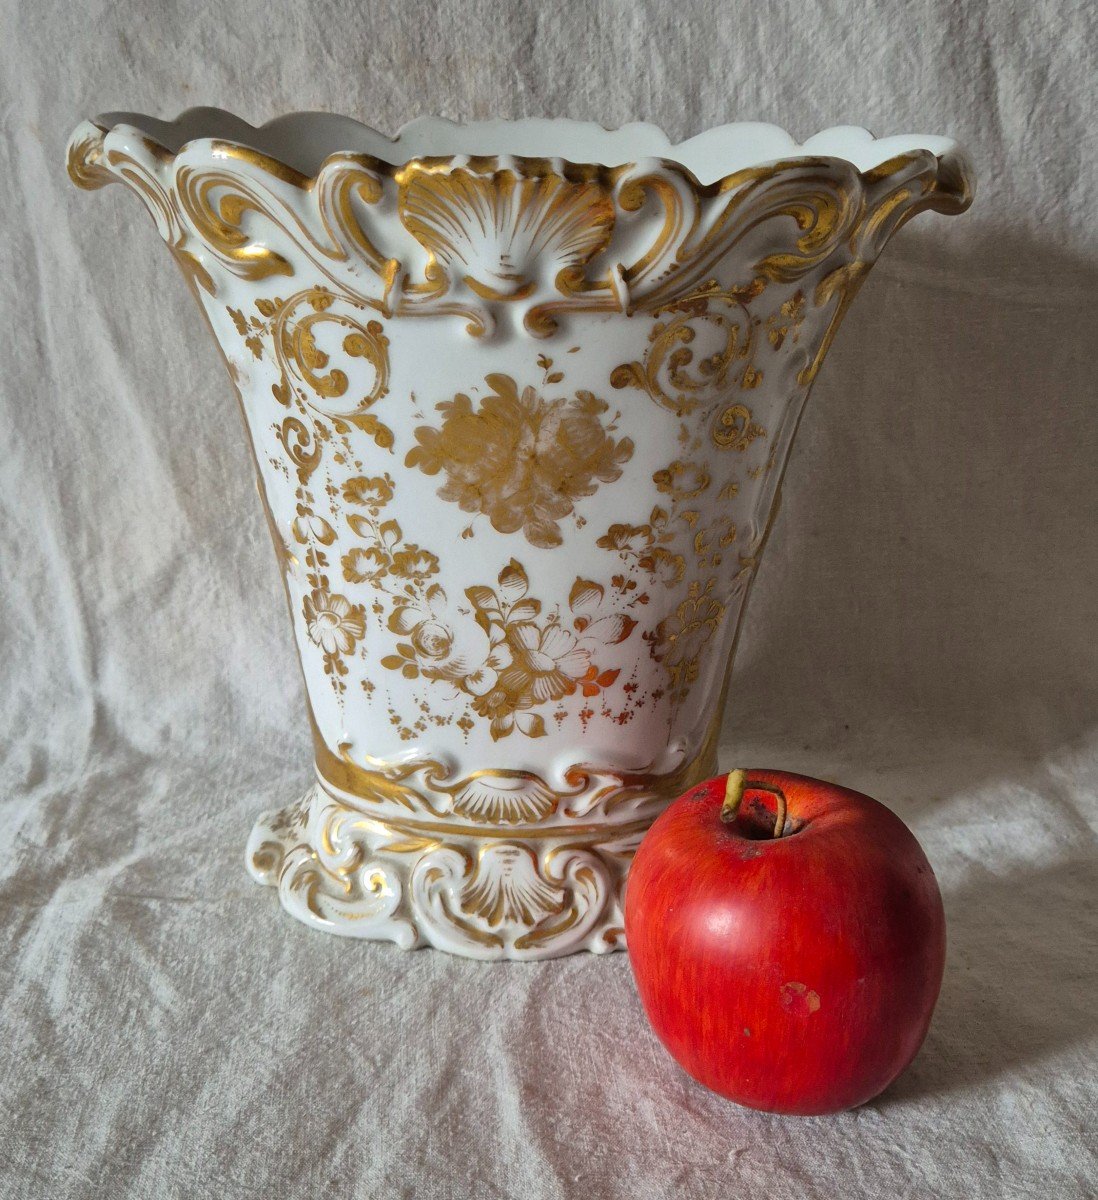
520	397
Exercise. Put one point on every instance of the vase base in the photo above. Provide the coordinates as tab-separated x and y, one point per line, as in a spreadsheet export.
522	893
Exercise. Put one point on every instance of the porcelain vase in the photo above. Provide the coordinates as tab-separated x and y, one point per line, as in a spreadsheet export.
520	397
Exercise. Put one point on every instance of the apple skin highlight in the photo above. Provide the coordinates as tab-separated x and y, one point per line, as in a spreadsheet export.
795	974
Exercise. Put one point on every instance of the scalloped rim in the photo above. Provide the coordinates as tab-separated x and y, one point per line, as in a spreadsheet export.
303	140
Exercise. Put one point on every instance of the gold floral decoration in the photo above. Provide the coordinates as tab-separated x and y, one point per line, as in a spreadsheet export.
677	541
520	459
365	564
787	321
334	624
682	480
511	659
308	526
371	493
412	562
680	640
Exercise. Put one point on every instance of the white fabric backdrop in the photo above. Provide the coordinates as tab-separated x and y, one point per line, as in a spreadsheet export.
923	628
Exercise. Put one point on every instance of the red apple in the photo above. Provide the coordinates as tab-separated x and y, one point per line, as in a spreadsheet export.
789	949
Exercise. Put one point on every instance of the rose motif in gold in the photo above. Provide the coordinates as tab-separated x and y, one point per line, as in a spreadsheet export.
465	656
414	563
520	459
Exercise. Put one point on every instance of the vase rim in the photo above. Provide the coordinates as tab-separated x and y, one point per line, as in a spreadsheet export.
302	141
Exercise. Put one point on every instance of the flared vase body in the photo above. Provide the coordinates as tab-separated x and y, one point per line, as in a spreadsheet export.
519	421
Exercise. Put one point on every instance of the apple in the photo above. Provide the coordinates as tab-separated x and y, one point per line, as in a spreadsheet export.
787	938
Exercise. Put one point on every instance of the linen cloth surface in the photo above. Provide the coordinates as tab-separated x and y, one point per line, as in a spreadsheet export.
923	628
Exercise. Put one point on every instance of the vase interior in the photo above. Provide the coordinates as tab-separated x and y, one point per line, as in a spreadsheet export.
304	140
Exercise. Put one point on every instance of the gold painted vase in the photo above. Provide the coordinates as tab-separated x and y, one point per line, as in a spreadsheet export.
520	396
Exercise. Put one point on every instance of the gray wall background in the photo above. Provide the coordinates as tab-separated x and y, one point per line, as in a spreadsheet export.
923	626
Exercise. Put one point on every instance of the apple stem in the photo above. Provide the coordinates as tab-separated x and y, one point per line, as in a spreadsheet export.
737	784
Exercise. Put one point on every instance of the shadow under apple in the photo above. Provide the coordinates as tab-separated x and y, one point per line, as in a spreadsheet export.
1020	982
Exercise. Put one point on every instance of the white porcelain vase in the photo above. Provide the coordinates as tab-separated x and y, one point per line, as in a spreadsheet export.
520	396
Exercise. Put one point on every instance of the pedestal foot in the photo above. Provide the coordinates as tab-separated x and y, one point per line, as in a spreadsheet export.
488	894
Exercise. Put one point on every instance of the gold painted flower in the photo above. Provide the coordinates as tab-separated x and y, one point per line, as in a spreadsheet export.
309	527
506	712
626	538
333	622
414	563
663	565
547	662
590	618
469	658
432	640
681	638
481	680
508	659
520	459
372	492
787	321
365	564
682	480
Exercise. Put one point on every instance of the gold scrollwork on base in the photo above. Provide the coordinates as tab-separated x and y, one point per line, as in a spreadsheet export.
475	892
493	864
